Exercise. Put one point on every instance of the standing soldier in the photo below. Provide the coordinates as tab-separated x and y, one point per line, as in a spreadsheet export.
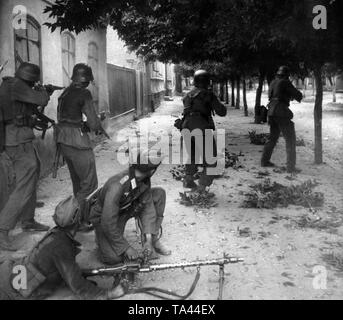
72	137
281	92
18	105
124	196
200	104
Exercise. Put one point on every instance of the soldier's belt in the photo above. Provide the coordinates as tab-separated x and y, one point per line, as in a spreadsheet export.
69	124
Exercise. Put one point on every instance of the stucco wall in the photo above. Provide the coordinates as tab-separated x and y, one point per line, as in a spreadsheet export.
51	61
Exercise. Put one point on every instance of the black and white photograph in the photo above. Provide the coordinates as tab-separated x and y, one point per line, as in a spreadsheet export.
171	150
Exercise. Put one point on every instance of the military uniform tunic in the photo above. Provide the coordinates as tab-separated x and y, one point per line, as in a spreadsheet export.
199	106
281	92
74	142
121	199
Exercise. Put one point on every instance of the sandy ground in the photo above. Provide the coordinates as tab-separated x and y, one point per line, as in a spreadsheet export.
280	257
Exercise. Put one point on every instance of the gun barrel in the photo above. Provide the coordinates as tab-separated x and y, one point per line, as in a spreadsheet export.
158	267
182	265
110	270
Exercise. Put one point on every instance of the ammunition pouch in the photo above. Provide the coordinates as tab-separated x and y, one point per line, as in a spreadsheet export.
85	128
22	120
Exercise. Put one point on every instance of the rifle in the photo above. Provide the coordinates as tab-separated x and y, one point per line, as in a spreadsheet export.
131	269
85	128
43	123
50	88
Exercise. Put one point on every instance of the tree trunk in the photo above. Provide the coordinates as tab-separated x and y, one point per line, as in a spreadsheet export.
238	97
334	90
258	97
222	92
318	116
304	87
232	92
246	111
227	92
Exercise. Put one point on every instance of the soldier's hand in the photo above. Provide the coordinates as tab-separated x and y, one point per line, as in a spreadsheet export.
131	254
116	292
148	249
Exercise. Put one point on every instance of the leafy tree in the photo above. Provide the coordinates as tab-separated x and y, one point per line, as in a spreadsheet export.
248	37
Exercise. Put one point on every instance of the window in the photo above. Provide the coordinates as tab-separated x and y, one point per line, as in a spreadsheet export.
68	57
155	66
93	62
27	43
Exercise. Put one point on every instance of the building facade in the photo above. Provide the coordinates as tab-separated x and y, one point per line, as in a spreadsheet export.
154	80
24	37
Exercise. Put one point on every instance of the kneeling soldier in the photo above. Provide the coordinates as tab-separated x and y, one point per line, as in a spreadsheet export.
124	196
53	262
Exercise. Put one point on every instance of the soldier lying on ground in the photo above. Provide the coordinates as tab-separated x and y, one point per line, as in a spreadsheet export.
124	196
52	262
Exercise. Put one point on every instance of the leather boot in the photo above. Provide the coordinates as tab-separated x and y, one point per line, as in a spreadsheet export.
5	243
34	226
159	247
189	183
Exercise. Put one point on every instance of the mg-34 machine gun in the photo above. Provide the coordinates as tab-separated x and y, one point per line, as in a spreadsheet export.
128	271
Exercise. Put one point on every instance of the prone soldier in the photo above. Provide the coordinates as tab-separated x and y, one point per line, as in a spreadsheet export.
124	196
71	133
281	92
199	106
52	262
18	109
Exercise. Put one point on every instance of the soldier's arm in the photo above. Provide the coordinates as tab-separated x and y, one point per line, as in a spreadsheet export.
93	120
23	93
110	217
187	106
218	107
294	92
72	275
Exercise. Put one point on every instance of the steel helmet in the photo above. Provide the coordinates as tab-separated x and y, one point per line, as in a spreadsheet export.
67	213
202	78
28	72
284	71
82	73
146	162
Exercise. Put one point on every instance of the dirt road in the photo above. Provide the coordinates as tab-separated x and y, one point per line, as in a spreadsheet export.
282	258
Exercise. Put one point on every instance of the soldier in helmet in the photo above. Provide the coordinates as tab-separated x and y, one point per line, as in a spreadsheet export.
200	104
18	105
72	136
281	92
124	196
52	263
